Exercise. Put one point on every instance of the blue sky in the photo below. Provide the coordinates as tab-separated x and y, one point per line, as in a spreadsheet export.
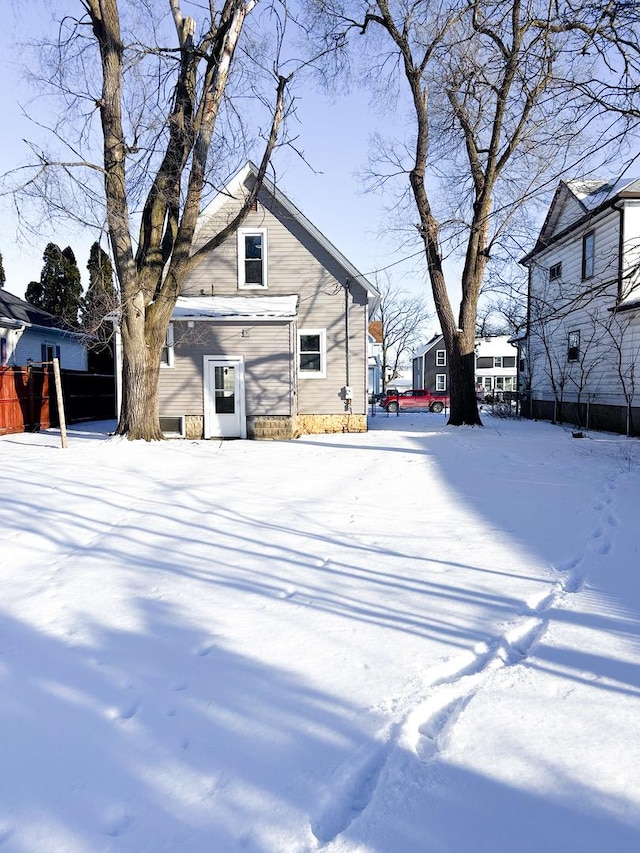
333	134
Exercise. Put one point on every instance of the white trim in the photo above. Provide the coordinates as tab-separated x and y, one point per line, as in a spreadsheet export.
248	232
241	412
313	374
443	377
439	362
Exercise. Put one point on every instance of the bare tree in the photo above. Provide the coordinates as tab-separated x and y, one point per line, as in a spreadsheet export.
163	100
500	93
402	317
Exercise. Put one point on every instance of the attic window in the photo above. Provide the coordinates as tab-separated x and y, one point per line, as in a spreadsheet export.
252	258
555	271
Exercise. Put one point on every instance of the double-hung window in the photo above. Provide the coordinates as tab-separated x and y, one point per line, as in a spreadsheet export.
573	346
588	255
252	258
441	358
441	381
312	353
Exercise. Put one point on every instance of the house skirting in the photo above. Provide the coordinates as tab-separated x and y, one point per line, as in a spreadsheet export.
314	424
610	418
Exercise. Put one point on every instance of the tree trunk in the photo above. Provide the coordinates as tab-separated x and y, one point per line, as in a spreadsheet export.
462	379
143	340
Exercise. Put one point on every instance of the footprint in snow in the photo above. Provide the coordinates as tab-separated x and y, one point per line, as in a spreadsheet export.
116	822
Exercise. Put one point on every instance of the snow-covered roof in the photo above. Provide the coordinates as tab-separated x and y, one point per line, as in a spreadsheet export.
592	193
229	307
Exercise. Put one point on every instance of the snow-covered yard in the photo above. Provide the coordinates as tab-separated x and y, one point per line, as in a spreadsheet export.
419	640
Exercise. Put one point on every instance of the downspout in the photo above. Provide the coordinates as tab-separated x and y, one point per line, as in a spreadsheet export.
620	250
347	374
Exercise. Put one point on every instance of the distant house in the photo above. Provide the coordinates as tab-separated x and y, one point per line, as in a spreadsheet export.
581	352
496	368
374	358
29	334
270	336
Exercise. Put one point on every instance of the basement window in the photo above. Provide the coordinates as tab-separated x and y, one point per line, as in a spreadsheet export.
172	426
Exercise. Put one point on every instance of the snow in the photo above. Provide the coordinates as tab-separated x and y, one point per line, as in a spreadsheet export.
235	306
422	639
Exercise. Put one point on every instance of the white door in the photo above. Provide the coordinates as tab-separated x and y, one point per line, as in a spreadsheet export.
224	406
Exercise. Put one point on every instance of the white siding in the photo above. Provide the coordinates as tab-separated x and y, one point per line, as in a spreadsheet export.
573	305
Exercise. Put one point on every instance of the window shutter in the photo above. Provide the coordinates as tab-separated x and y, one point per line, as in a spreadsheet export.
43	352
58	353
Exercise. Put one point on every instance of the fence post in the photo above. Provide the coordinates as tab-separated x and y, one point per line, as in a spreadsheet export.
60	401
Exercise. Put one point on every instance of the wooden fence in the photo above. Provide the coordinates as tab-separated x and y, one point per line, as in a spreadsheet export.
28	402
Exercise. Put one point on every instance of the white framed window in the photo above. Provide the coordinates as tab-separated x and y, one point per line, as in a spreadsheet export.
497	361
441	381
488	383
499	386
573	346
441	358
312	353
167	356
555	271
252	258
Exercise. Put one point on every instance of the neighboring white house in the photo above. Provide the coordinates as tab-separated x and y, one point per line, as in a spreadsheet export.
29	334
583	331
496	364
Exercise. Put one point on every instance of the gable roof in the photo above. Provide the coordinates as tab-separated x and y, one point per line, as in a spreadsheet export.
21	313
575	202
425	349
233	188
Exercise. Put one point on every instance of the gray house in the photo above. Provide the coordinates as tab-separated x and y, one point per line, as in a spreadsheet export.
269	339
29	334
495	364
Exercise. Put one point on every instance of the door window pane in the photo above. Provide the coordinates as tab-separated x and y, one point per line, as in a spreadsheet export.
224	390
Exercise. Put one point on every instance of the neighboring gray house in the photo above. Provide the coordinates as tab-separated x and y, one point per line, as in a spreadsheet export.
496	369
269	339
31	334
582	348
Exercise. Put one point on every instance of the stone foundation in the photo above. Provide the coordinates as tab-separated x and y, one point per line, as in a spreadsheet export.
194	427
315	424
284	427
270	427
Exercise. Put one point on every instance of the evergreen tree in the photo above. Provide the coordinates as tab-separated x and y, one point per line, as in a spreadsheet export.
33	294
101	298
3	277
59	290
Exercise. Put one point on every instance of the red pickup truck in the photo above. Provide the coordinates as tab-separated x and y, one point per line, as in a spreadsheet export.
416	399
